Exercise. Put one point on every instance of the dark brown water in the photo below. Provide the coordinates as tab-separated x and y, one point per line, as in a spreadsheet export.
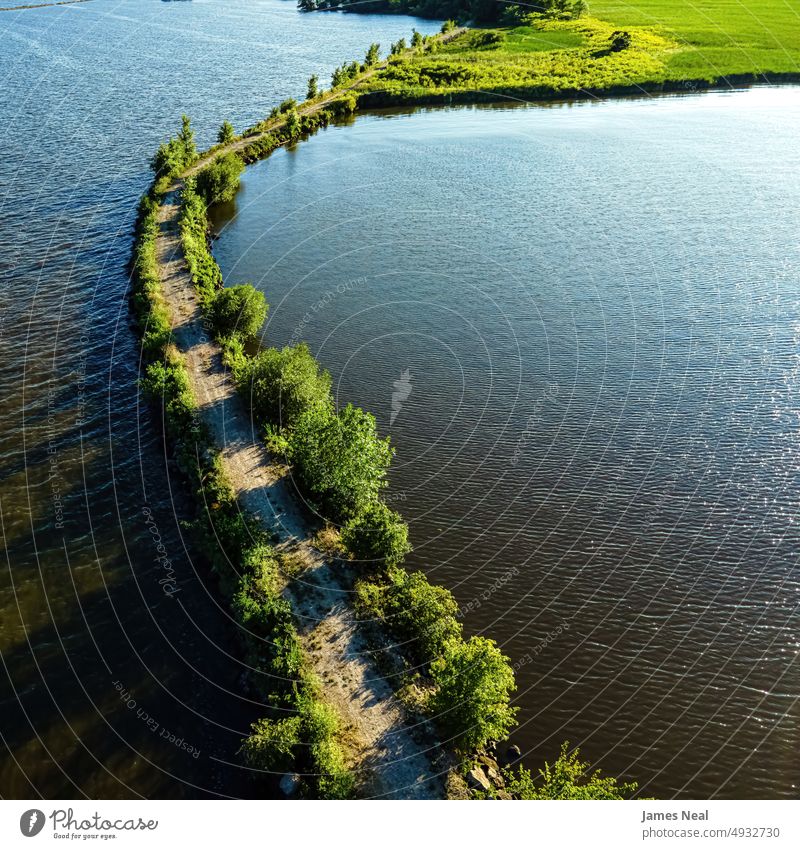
580	326
87	92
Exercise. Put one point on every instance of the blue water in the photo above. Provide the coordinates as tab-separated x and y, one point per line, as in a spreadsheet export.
87	92
594	313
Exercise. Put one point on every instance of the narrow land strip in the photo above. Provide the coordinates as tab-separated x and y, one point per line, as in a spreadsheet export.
41	5
392	756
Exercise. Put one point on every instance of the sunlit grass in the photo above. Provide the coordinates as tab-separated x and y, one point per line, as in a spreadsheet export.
557	56
671	41
720	37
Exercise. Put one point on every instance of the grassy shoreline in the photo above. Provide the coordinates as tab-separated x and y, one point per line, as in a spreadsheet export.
561	59
707	43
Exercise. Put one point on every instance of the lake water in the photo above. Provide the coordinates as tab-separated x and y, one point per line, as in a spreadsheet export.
580	326
109	687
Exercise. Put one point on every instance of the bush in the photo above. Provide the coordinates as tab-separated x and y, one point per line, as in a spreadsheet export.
417	613
344	74
260	562
339	460
270	746
219	182
285	383
239	310
168	383
567	778
377	533
205	272
273	646
373	55
234	356
487	38
293	126
422	613
321	726
310	739
620	40
474	682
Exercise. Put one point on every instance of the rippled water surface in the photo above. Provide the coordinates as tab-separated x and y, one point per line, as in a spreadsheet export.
109	687
580	326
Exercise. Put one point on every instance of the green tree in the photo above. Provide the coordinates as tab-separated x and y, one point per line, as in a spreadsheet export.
377	533
285	383
421	613
344	74
186	138
292	123
226	133
313	87
474	682
168	159
219	182
398	47
448	25
416	39
567	778
513	15
339	460
238	309
177	154
373	55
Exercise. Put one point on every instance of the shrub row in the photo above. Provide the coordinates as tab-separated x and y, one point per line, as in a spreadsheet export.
235	544
296	126
340	464
472	679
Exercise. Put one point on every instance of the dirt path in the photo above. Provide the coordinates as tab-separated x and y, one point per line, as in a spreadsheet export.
392	758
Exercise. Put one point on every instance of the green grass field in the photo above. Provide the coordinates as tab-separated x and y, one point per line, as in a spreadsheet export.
720	37
670	41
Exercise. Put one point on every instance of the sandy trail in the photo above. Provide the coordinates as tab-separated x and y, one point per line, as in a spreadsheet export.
392	757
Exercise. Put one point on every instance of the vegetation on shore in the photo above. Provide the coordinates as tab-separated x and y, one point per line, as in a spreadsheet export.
560	48
239	552
339	463
568	777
